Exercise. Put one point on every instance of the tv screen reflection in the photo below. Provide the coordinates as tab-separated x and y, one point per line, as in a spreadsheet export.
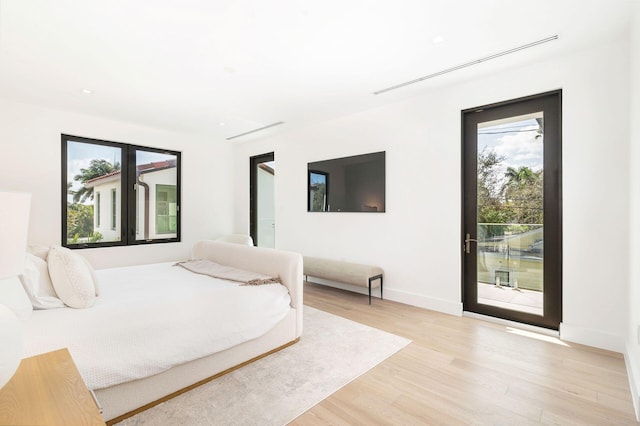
348	184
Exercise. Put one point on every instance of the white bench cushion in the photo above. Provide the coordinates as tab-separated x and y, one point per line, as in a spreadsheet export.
344	272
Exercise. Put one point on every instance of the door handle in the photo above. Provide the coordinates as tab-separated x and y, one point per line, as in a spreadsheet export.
467	243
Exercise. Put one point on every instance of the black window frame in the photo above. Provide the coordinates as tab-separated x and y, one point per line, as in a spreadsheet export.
128	185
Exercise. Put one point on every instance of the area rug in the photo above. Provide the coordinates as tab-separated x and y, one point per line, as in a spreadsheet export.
275	390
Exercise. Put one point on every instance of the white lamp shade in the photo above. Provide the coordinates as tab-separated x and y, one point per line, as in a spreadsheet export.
14	225
11	338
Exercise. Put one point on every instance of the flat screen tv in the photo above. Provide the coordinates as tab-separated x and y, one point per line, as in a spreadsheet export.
348	184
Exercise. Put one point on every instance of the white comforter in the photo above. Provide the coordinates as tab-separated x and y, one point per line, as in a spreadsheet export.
149	318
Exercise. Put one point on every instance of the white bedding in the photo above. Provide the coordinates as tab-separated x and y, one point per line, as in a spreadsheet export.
149	318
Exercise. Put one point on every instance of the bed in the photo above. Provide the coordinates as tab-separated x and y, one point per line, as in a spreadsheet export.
157	330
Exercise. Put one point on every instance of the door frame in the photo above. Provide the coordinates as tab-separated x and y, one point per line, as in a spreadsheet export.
253	192
551	103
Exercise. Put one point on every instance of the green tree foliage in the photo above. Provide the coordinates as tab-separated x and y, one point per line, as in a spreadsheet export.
97	168
491	208
80	216
523	194
319	195
489	182
79	221
95	237
514	197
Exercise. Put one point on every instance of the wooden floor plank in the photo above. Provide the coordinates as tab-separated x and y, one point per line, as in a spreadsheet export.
460	370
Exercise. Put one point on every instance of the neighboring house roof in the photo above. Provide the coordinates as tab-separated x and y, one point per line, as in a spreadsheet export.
154	166
109	177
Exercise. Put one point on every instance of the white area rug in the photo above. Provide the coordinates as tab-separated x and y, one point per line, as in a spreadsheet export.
332	352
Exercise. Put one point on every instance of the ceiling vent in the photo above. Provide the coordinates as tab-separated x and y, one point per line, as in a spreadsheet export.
256	130
468	64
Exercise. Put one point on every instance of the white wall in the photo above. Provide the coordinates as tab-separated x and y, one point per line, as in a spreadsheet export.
632	354
418	240
31	161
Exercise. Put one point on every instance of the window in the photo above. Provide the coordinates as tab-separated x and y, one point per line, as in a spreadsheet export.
166	214
137	189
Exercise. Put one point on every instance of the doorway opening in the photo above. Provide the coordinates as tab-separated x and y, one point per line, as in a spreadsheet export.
262	200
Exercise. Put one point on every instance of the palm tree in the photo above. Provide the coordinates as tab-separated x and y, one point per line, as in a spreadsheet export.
521	176
523	192
96	169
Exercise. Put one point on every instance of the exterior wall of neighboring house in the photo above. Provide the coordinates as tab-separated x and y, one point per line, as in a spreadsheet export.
161	211
106	207
156	189
104	210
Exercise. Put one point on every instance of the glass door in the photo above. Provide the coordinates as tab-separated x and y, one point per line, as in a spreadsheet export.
512	210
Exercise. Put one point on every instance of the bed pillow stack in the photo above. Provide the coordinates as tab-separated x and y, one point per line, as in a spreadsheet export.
38	285
58	277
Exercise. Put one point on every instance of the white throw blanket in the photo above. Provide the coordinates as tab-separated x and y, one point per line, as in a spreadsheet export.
224	272
150	318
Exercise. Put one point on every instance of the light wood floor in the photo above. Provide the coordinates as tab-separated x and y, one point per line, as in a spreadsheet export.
461	370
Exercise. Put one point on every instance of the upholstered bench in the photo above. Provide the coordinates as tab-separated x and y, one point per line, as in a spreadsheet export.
343	272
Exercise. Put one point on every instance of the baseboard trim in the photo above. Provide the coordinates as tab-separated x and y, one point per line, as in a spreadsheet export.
400	296
634	379
590	337
420	301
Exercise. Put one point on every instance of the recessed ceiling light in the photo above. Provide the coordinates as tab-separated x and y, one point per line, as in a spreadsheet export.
221	123
437	39
87	91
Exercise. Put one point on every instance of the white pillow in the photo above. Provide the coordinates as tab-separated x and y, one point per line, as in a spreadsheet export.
71	278
94	277
37	284
41	251
13	296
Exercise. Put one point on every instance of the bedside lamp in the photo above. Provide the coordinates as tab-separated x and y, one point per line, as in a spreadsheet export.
14	224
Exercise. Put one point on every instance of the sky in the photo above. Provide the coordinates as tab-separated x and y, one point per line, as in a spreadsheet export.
318	178
516	141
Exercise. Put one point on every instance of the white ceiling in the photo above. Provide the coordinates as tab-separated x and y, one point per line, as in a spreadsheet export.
189	65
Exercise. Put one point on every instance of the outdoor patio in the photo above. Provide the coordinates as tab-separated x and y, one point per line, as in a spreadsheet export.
511	298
